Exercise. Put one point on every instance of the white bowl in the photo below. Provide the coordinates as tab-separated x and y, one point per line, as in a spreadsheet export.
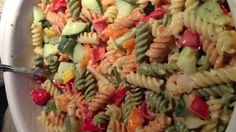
17	50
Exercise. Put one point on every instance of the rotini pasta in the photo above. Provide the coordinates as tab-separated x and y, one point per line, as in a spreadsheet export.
145	81
159	49
213	77
173	60
89	38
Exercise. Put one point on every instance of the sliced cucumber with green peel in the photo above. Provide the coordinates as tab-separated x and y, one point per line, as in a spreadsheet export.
93	5
212	12
74	27
49	50
66	66
119	42
66	45
79	53
124	8
38	14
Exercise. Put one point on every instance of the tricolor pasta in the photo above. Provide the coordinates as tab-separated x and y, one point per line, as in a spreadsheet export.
134	65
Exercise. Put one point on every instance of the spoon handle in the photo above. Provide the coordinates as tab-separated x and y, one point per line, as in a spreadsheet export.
26	70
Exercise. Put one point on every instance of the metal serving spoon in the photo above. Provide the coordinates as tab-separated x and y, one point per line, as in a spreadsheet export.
232	6
25	70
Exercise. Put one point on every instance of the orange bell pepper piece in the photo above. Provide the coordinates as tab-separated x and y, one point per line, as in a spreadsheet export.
135	120
129	45
85	61
118	33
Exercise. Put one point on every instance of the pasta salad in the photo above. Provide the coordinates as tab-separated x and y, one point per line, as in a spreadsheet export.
134	65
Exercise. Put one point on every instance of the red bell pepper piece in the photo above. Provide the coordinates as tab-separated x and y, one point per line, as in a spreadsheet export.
39	79
156	14
146	113
198	106
69	86
190	39
57	5
98	54
88	125
100	25
119	96
224	9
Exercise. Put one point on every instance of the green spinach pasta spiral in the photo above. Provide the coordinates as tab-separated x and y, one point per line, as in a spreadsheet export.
38	61
158	103
157	69
101	118
80	81
133	98
216	91
142	42
73	6
181	127
52	63
90	84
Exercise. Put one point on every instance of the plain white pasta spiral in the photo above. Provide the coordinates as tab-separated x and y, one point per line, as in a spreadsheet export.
51	88
37	33
146	82
89	38
176	6
207	30
226	42
211	126
177	23
111	14
214	77
191	5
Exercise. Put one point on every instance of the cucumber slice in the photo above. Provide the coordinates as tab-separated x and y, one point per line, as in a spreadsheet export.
124	8
211	11
119	42
79	53
38	14
133	2
66	45
50	106
73	28
93	5
65	66
49	50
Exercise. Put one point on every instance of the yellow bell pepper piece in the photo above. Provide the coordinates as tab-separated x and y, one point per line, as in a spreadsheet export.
67	76
49	32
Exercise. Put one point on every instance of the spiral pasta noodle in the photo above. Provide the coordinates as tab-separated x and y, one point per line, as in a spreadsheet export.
207	30
53	122
101	118
181	127
88	15
129	66
116	126
90	84
73	6
160	123
101	99
226	42
133	98
52	63
191	5
157	69
216	91
158	103
213	77
177	24
56	20
215	58
111	13
142	3
159	49
89	38
145	81
142	42
51	88
176	6
111	48
38	61
114	112
37	33
80	81
127	21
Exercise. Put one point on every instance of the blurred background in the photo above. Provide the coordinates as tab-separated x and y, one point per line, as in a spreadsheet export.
6	122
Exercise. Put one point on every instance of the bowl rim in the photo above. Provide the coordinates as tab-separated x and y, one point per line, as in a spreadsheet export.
10	8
